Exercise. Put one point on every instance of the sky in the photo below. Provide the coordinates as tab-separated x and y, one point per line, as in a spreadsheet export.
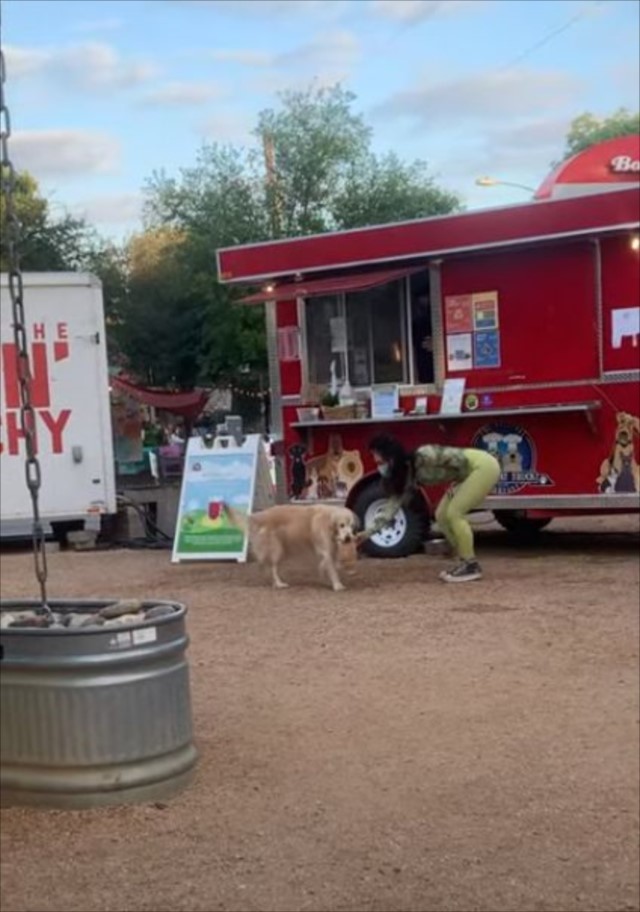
102	93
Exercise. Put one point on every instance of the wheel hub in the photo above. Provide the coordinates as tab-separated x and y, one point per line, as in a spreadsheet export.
392	534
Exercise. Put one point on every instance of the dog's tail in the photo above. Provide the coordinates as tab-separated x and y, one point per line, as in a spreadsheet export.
237	519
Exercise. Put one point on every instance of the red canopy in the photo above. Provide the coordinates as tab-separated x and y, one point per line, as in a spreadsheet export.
188	405
317	287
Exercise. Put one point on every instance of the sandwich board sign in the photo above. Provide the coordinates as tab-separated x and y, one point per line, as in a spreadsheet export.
216	476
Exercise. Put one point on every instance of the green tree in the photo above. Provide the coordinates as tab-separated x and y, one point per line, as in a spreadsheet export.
382	190
312	171
323	176
45	243
217	203
310	145
587	130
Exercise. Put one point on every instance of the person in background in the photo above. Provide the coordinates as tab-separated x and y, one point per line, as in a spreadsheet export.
472	474
422	335
176	436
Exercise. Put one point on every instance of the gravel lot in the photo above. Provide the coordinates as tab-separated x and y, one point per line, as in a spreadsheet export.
404	745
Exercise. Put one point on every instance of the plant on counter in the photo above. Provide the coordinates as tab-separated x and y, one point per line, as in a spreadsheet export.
329	399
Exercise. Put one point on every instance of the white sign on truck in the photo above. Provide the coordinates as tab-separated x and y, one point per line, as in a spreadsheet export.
64	320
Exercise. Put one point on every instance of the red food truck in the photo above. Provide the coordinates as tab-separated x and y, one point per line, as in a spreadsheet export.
514	329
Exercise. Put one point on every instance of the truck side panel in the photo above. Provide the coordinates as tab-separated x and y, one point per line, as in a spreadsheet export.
70	393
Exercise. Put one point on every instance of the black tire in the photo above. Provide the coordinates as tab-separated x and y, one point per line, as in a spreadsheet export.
416	524
518	523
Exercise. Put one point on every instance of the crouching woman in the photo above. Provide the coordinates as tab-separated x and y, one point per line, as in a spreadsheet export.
471	474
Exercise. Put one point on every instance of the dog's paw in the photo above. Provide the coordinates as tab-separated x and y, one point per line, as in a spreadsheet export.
339	588
280	585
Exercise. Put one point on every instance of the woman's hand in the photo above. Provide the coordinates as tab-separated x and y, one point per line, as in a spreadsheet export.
361	538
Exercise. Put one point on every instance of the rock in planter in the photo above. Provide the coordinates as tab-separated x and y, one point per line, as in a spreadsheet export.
159	611
116	609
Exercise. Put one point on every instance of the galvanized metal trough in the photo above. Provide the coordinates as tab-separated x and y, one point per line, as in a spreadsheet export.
94	715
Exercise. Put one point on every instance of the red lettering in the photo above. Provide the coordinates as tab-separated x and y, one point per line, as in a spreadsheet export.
40	376
15	433
63	331
56	426
10	376
38	331
60	351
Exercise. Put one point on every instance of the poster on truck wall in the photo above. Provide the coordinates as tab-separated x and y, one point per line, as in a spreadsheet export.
485	310
472	331
460	352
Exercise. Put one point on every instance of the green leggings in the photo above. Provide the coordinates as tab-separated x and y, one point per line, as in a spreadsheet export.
464	497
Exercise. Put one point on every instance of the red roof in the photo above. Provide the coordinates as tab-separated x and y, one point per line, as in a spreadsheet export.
607	165
534	222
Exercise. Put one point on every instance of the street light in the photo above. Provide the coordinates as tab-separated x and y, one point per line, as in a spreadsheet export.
494	182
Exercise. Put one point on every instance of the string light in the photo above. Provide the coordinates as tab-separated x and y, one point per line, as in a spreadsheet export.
250	394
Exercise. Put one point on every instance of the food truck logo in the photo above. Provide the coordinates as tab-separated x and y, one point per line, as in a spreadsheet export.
624	164
49	422
515	451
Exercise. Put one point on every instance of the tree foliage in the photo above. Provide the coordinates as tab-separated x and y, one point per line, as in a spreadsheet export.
45	243
312	171
587	130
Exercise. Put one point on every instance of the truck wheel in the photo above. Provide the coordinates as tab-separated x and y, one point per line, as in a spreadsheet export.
403	536
517	522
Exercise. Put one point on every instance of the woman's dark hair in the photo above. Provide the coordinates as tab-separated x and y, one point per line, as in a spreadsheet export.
399	460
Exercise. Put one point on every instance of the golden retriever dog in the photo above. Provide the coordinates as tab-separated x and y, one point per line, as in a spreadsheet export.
290	530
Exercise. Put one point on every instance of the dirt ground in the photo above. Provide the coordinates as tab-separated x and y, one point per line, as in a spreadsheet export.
404	746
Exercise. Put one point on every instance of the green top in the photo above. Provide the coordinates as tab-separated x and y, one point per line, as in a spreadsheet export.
433	465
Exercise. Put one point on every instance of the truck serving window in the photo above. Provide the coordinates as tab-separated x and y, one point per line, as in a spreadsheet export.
363	332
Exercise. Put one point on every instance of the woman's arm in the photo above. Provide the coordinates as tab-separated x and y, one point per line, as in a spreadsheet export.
383	519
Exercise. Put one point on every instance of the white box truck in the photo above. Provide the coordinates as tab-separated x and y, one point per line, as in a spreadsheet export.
64	318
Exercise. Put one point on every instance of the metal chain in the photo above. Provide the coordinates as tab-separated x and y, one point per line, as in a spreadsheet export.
16	291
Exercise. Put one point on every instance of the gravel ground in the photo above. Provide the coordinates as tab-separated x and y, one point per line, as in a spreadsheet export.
403	745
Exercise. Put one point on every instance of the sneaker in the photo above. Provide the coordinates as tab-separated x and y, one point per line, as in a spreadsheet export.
464	572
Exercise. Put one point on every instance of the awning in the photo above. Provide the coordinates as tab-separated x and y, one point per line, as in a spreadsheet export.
315	288
189	405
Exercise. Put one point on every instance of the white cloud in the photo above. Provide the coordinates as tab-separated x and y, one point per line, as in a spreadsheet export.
520	153
228	127
336	49
532	136
182	93
329	57
485	97
413	11
64	153
90	66
24	61
114	209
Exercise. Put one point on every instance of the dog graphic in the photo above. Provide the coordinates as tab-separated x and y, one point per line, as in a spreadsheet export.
335	472
512	459
492	442
620	471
